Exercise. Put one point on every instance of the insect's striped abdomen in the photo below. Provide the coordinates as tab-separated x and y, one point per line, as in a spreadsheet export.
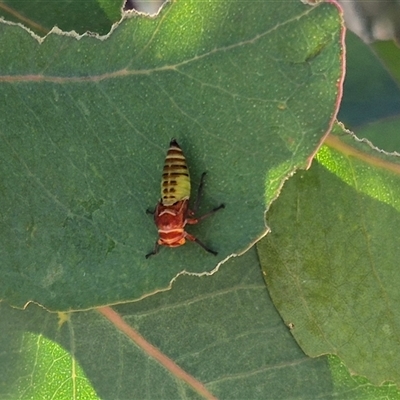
175	184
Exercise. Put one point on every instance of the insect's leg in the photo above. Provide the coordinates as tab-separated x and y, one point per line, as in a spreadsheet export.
192	221
199	193
194	239
148	211
155	250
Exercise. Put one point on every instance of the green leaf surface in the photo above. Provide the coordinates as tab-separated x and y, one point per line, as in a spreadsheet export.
40	16
384	134
331	262
347	386
249	92
370	93
222	330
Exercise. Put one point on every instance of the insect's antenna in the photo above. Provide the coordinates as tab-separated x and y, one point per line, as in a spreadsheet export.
214	210
199	193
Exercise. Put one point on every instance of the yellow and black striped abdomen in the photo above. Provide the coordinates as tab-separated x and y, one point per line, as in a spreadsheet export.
175	184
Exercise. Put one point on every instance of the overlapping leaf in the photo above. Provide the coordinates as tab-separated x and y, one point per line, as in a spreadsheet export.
331	261
223	330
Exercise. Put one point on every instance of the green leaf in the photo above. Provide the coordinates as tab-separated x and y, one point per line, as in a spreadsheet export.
249	93
53	372
382	133
80	16
221	330
348	386
331	262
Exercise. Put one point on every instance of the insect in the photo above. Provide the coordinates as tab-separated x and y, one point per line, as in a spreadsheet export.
172	212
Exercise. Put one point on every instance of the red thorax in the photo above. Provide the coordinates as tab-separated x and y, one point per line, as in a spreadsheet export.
171	221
